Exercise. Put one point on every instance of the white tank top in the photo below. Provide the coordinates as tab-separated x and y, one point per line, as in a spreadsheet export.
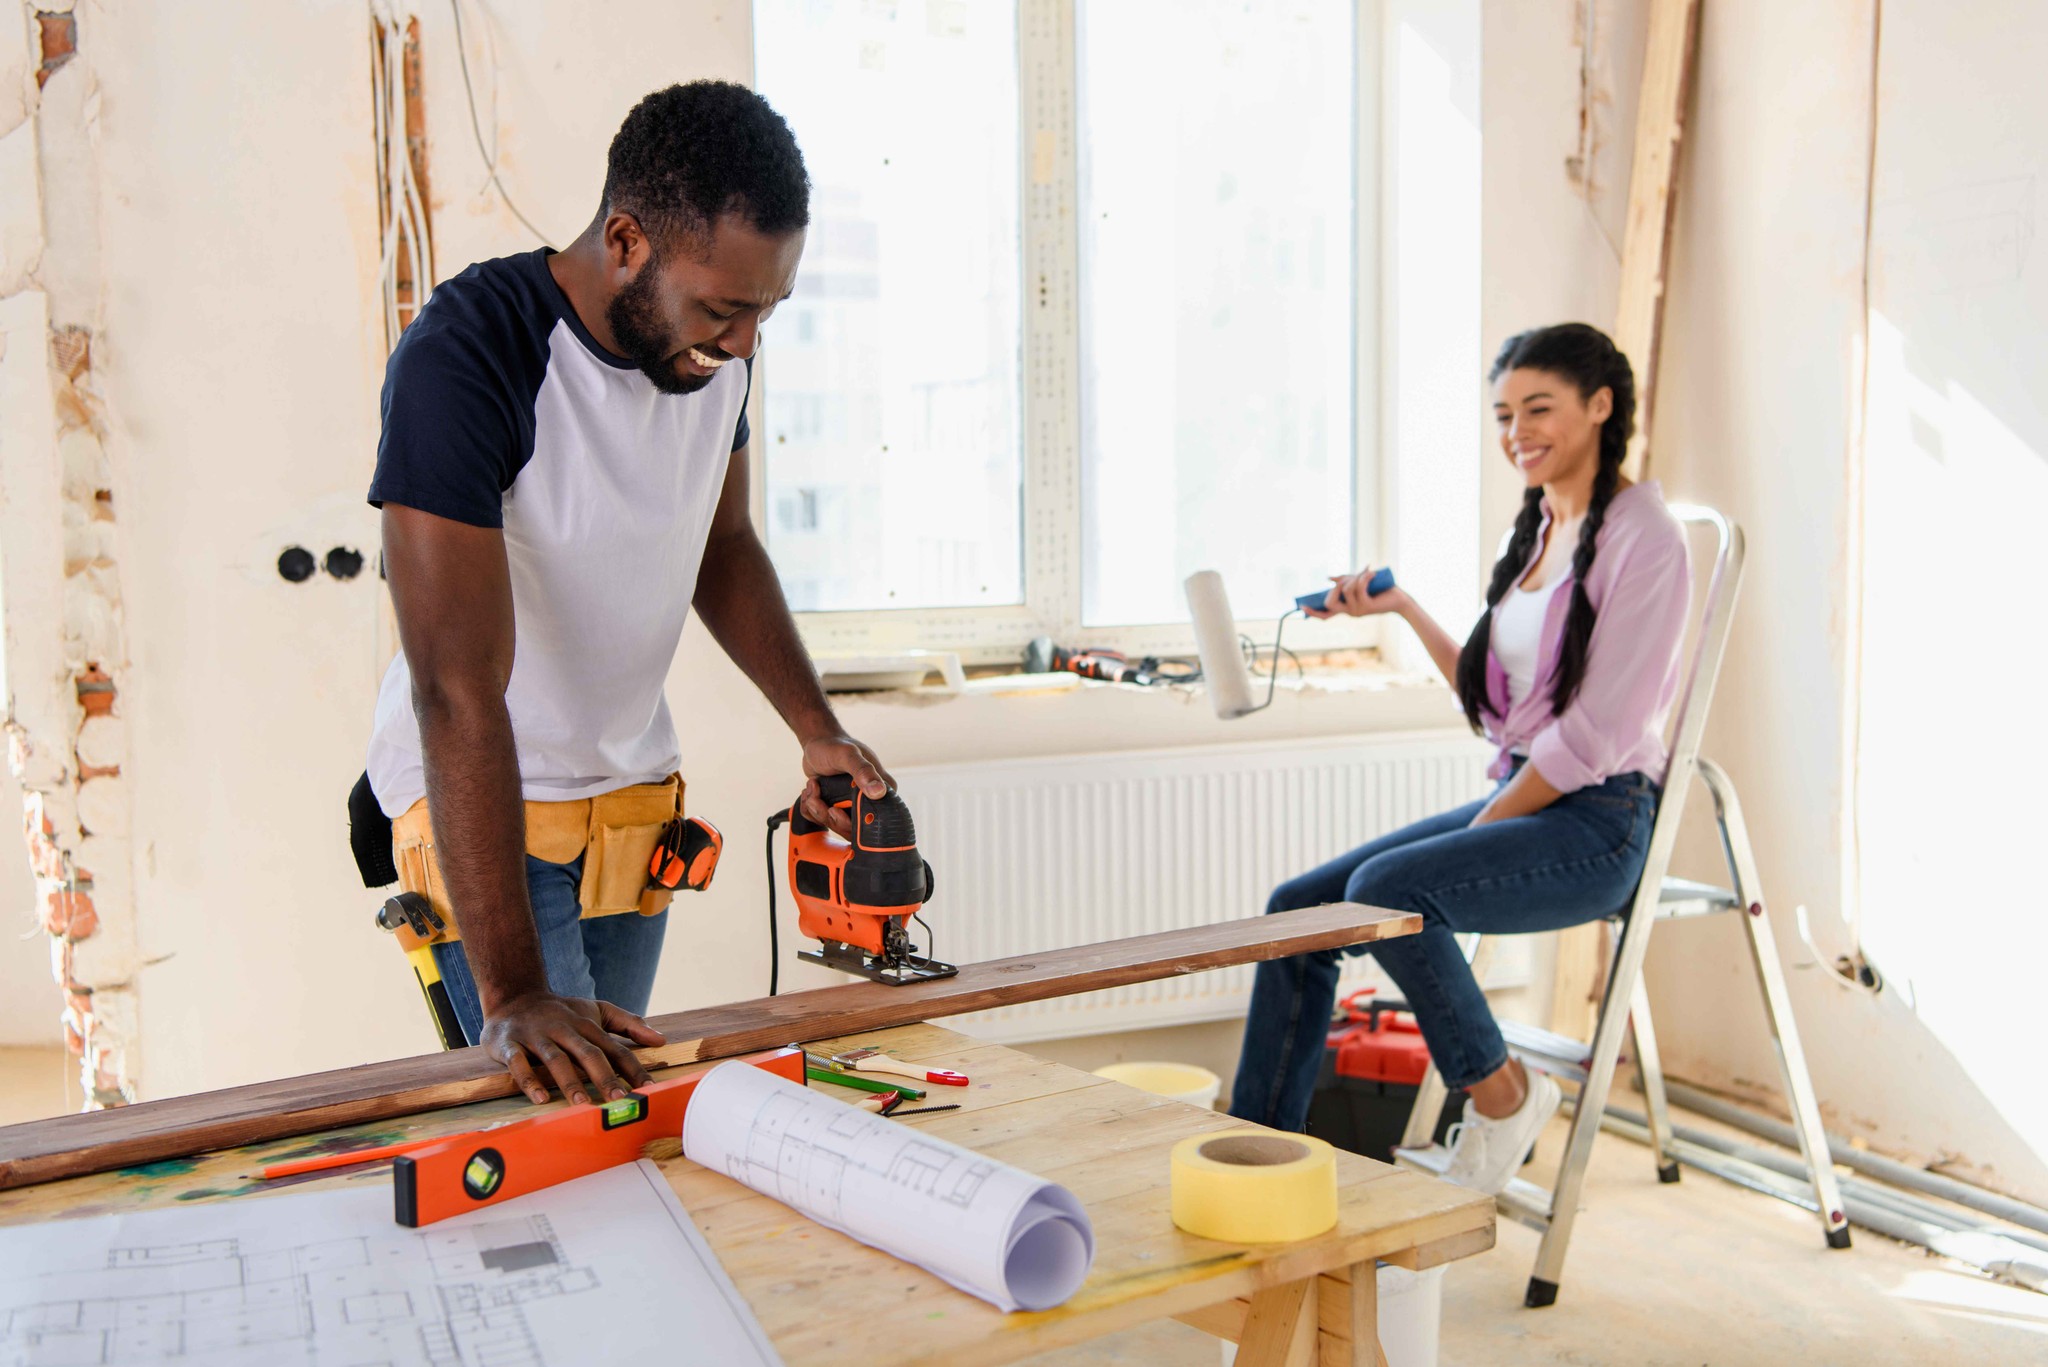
1518	634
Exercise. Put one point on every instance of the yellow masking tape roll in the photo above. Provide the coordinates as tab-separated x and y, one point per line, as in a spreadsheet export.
1254	1186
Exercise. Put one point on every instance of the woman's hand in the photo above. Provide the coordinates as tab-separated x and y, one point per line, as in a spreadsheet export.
1348	597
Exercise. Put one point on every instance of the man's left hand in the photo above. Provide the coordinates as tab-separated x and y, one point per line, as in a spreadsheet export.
841	755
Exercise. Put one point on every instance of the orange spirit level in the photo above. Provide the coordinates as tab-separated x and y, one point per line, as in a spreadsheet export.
469	1171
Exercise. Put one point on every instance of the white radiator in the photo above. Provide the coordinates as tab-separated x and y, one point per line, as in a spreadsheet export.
1045	853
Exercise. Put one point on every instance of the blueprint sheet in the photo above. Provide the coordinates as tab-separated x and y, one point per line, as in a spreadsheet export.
607	1268
994	1231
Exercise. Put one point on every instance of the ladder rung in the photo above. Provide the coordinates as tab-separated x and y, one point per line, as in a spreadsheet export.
1524	1202
1432	1160
1547	1051
1678	898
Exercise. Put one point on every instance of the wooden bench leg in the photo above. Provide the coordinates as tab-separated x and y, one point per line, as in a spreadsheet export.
1280	1327
1350	1318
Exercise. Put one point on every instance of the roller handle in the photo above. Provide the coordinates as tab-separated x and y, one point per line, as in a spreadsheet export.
1374	587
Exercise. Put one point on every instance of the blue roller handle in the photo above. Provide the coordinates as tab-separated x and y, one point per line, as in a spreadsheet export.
1374	587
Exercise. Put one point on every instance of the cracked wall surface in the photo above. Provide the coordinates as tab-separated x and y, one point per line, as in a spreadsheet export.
65	653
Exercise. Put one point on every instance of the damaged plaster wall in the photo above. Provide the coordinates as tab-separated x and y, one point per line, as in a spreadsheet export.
60	538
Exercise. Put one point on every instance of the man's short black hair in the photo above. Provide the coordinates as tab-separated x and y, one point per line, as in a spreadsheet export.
689	154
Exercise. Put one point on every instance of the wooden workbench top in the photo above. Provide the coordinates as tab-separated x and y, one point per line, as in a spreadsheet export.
1105	1142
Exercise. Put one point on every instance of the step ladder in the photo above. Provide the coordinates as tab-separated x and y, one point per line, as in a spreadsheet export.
1625	1006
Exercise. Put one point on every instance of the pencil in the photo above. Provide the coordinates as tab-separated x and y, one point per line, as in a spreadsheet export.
861	1084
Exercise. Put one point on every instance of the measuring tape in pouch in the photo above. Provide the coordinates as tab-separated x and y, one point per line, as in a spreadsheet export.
1254	1186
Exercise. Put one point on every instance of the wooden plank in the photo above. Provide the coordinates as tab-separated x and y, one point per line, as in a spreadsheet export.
1437	1252
1280	1327
1653	179
178	1126
1575	980
1351	1318
1669	57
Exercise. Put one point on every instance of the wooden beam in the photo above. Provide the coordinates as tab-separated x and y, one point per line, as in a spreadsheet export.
1668	61
1653	180
68	1146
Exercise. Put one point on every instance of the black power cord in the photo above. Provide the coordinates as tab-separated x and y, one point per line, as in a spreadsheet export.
774	947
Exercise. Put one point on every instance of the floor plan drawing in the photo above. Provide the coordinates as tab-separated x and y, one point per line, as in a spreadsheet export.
329	1279
994	1231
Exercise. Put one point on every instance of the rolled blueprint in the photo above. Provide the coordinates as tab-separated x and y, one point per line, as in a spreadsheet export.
1230	684
1017	1241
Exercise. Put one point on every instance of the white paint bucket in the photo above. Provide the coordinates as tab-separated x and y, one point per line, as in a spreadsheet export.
1174	1081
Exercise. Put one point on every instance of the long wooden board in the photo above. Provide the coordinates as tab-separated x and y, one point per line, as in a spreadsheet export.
68	1146
1668	62
1578	977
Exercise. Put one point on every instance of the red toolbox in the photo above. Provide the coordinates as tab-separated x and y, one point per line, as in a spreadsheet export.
1373	1061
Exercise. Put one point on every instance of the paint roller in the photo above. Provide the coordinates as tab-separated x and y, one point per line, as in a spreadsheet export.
1221	648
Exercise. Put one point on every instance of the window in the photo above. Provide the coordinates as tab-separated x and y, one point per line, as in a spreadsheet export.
1082	311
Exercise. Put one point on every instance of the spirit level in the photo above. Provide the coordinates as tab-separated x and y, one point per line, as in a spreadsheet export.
469	1171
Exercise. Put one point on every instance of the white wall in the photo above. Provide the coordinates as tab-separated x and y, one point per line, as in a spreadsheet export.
1759	396
1761	393
242	362
29	999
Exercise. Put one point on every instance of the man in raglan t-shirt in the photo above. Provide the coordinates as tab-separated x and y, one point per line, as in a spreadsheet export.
563	477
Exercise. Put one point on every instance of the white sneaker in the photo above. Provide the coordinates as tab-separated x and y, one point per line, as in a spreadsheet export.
1485	1153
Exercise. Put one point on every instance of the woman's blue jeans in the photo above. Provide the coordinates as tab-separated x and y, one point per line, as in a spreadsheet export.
611	958
1577	860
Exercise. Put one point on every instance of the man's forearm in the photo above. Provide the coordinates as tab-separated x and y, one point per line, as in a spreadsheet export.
479	819
741	602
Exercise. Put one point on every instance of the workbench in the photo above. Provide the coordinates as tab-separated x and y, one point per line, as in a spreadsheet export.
1311	1302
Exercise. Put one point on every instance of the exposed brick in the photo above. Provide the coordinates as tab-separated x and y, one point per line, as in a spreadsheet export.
71	351
74	1042
69	914
59	35
95	691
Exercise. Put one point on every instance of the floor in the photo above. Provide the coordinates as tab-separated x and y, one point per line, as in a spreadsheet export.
1698	1273
36	1084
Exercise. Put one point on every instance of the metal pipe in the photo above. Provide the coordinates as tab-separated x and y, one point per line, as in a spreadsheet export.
1901	1203
1994	1254
1863	1161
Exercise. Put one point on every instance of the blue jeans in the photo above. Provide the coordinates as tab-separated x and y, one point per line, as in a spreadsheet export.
1577	860
611	958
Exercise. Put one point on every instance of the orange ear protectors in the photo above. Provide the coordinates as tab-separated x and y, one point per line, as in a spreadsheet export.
687	855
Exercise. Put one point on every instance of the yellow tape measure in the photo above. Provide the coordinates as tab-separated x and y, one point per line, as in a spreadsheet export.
1254	1186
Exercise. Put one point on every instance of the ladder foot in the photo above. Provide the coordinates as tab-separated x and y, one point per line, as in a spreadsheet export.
1540	1294
1838	1238
1667	1173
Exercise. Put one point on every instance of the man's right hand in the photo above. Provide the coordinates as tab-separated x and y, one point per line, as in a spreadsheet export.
584	1045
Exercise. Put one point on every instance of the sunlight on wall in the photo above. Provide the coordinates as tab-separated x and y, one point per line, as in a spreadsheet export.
1950	760
1434	353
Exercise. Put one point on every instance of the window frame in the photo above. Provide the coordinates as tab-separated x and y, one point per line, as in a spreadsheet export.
1050	347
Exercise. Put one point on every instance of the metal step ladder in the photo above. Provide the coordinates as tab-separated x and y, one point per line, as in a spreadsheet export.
1625	1006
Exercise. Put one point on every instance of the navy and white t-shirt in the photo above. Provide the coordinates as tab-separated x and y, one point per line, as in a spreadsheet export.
501	410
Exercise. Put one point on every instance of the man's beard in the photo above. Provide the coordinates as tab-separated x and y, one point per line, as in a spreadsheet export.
636	328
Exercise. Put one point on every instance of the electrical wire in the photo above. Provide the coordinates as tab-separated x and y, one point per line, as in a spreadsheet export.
1251	651
774	945
490	155
403	213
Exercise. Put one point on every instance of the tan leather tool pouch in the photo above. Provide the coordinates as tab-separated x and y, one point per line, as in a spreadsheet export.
615	832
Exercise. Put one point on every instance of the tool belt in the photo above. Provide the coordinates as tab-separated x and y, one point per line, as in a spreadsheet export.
615	832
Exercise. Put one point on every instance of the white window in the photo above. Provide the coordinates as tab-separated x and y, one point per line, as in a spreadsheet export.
1089	303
